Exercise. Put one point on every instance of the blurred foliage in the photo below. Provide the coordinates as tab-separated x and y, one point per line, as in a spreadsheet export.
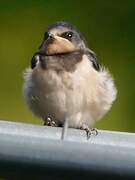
109	29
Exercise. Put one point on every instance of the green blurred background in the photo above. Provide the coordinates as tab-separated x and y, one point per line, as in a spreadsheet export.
108	26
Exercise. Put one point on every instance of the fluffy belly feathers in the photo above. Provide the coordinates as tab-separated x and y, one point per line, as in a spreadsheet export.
82	96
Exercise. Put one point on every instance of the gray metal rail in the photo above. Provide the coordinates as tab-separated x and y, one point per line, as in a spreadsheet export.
36	152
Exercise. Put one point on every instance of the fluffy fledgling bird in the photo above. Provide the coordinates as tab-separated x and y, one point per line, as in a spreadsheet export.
65	83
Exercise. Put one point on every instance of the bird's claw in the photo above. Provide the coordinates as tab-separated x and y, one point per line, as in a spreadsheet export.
94	131
50	122
89	132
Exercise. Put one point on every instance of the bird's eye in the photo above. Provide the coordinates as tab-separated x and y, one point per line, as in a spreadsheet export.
46	35
67	35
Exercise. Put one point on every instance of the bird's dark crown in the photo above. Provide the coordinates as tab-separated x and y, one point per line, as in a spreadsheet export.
70	27
62	24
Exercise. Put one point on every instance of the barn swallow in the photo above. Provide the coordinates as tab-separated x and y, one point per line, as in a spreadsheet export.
65	83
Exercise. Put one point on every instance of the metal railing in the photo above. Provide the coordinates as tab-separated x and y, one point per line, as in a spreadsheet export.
37	152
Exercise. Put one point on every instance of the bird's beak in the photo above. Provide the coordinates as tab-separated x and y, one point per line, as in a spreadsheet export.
56	45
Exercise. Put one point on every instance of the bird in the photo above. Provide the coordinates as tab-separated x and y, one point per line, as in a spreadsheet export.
64	84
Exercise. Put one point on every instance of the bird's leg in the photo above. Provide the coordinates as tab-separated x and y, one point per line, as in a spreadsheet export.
94	131
48	121
89	131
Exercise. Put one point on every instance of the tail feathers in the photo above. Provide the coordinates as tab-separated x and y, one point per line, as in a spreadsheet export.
64	129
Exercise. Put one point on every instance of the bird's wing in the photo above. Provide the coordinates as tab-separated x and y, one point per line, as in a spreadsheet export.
92	57
33	62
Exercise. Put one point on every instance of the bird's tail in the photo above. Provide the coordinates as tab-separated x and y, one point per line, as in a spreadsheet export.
64	129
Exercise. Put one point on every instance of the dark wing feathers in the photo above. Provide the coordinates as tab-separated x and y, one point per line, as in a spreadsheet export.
92	57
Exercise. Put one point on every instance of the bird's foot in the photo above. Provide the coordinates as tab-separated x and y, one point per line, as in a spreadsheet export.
89	132
49	122
94	131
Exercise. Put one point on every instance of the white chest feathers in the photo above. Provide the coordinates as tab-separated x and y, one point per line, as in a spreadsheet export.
83	96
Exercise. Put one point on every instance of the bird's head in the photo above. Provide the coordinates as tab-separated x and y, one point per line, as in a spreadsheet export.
61	38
